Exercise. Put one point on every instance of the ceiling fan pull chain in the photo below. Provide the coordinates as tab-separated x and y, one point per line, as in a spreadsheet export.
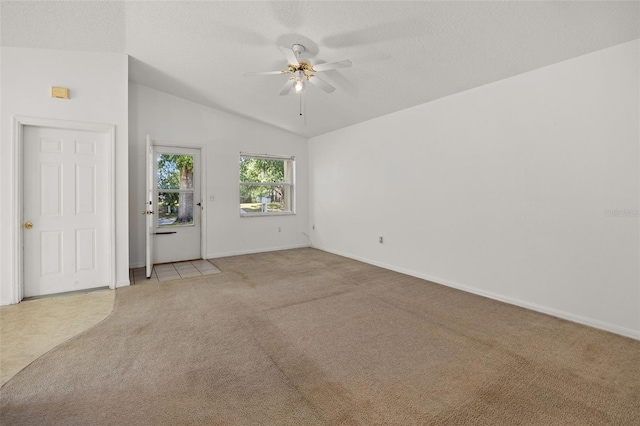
300	104
304	106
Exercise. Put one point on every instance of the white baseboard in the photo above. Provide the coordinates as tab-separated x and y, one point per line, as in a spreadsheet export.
236	253
623	331
262	250
123	283
5	302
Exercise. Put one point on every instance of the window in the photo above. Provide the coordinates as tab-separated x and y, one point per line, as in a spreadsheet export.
266	185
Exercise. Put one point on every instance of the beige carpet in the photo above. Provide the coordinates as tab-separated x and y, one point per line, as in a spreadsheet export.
303	337
31	328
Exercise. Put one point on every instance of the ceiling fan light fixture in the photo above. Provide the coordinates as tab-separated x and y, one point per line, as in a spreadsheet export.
298	83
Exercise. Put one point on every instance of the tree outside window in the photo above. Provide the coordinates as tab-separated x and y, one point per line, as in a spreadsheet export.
175	189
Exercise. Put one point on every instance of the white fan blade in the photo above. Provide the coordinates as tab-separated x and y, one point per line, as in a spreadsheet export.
332	65
287	88
321	84
265	73
291	57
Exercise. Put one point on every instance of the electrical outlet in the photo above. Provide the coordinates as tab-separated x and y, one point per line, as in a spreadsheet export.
381	240
212	197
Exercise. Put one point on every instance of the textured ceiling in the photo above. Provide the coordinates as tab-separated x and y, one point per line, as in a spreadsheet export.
403	53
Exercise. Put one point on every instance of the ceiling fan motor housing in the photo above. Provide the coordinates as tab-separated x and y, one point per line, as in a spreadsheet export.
297	49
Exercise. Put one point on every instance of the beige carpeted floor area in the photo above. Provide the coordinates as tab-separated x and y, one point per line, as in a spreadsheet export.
303	337
33	327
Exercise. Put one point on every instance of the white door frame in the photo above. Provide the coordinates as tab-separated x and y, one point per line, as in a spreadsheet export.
18	186
203	192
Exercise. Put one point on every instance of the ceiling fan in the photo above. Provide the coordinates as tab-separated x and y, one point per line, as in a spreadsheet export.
303	71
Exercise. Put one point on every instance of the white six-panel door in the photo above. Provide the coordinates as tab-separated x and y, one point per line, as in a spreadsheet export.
66	229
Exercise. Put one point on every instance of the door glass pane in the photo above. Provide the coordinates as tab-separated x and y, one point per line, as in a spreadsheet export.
175	189
175	208
175	171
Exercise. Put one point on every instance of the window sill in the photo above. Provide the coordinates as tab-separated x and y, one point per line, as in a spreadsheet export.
267	214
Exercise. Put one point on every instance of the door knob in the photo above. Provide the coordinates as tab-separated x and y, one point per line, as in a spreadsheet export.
28	225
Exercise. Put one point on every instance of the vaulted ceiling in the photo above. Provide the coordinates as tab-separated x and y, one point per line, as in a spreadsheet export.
403	53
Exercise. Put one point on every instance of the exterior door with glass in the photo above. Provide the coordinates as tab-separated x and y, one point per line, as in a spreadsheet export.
177	208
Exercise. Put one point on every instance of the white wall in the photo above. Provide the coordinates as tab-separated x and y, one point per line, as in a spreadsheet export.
500	190
98	83
168	118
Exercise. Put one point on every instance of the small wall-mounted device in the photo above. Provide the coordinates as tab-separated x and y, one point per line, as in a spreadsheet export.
59	92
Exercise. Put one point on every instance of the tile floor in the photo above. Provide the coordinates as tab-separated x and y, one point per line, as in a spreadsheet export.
173	271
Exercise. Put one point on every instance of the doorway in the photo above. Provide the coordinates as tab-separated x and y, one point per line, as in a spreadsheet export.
177	222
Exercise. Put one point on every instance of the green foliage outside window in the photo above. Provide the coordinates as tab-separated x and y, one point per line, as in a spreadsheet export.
275	177
175	172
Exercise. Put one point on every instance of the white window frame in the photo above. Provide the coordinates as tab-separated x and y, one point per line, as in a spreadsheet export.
291	185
